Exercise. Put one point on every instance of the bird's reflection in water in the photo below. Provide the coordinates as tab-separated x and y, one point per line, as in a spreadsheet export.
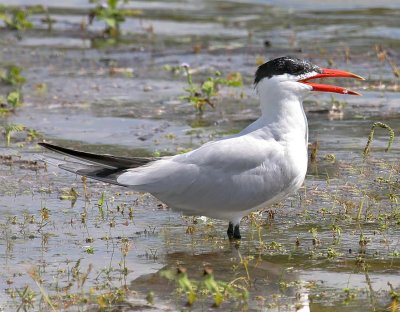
268	283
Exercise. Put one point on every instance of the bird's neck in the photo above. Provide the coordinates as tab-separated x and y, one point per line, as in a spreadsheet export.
283	114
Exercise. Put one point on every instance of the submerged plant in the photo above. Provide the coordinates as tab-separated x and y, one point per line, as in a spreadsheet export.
201	95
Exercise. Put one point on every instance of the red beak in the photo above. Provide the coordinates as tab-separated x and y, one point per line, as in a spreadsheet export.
331	73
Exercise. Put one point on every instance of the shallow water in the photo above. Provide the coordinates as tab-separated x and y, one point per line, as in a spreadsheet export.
334	244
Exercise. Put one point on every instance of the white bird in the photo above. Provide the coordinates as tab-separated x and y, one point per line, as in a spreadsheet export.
231	177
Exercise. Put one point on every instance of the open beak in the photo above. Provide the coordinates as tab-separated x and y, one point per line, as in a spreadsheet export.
331	73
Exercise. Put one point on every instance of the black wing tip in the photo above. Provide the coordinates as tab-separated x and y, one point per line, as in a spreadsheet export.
44	144
55	148
103	159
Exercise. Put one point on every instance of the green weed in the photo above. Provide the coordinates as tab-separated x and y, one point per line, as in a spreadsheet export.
70	194
27	298
201	95
371	137
45	297
208	286
12	76
15	18
100	205
89	250
10	129
11	102
111	14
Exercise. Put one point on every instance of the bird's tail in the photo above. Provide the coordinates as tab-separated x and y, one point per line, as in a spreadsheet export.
103	167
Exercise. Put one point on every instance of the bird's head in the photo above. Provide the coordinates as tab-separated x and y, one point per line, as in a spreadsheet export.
292	76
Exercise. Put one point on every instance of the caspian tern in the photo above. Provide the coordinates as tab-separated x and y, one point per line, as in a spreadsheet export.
231	177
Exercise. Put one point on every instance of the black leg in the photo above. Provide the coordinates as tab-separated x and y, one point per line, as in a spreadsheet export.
233	231
236	232
230	231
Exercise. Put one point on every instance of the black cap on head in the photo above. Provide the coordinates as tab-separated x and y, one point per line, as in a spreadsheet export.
284	65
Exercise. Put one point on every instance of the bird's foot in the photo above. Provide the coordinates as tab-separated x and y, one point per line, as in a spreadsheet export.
230	230
236	232
233	231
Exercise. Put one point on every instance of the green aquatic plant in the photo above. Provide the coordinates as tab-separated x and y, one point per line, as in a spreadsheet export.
174	69
371	137
11	102
29	134
150	297
208	286
331	253
125	247
221	290
35	275
202	94
314	233
350	295
111	298
111	14
100	205
27	297
10	129
244	261
183	283
12	76
32	135
14	99
383	56
15	18
70	194
89	250
45	214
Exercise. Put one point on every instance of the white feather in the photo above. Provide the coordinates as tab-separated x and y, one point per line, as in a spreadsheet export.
227	179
